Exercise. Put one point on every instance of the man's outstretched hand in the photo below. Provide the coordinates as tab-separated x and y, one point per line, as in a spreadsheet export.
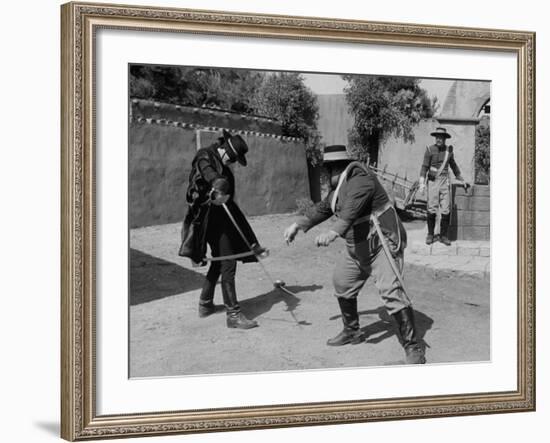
326	238
290	233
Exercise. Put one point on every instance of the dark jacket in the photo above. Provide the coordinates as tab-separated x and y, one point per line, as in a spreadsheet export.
358	197
206	223
433	159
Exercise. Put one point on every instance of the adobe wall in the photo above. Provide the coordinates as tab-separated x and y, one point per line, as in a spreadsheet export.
159	160
335	119
466	98
160	155
275	177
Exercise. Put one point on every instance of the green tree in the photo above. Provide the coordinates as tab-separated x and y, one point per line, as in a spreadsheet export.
384	106
285	97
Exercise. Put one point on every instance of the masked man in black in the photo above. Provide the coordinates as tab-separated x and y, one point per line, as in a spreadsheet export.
209	195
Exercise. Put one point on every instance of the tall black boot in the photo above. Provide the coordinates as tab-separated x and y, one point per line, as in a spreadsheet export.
235	318
414	352
351	332
431	226
443	237
206	300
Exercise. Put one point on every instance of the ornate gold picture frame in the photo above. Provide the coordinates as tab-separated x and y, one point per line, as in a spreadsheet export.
80	22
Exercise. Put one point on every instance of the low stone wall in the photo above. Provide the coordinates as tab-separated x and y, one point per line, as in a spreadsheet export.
471	216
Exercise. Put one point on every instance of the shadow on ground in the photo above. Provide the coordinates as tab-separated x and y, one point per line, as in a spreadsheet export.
261	304
385	326
152	278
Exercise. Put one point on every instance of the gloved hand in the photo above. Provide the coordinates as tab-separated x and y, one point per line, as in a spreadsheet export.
219	192
260	251
217	198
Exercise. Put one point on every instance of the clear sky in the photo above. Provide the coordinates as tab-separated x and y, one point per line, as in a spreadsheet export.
333	84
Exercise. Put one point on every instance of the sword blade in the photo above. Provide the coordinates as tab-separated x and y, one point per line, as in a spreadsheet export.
389	256
268	275
247	243
230	257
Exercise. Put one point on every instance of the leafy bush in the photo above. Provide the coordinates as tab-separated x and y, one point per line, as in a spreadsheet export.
285	97
282	96
231	89
483	154
141	88
383	106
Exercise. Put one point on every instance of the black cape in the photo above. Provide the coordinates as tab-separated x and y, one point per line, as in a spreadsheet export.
206	223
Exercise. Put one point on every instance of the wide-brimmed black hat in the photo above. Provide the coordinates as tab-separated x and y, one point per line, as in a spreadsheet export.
335	153
235	147
441	132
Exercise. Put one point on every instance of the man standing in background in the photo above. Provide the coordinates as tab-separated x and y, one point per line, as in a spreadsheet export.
434	174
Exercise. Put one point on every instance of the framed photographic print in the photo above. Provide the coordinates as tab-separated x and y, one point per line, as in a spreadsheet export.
255	207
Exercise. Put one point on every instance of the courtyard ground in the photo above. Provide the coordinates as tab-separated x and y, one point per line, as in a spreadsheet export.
168	338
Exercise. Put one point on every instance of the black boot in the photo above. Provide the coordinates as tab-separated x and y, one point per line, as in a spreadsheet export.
235	318
206	300
351	332
414	352
431	226
443	238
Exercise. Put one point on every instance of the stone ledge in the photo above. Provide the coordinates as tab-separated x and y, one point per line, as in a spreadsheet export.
456	266
469	258
459	248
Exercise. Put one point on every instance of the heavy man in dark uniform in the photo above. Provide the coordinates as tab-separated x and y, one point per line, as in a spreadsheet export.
363	209
209	195
435	174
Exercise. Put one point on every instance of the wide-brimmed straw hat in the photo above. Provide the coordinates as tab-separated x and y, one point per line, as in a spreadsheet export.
440	132
335	153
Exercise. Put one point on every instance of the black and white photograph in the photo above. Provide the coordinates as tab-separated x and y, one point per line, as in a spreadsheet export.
283	221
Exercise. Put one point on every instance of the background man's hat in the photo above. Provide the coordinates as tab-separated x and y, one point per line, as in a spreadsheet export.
235	147
440	132
335	153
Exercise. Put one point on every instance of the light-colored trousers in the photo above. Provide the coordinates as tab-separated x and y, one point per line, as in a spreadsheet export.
358	264
439	195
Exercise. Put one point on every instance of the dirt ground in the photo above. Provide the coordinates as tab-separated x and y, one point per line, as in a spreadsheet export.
168	338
